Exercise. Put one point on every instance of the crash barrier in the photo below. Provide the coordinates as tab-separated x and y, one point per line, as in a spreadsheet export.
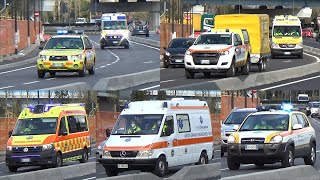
149	42
8	35
302	172
66	172
140	176
198	172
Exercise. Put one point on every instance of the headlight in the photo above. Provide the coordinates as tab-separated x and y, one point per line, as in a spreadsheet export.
42	57
188	52
300	45
224	52
231	139
167	53
145	153
106	153
9	148
76	57
276	139
47	146
275	45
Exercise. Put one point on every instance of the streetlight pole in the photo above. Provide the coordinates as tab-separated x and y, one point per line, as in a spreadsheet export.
28	20
293	7
39	16
15	27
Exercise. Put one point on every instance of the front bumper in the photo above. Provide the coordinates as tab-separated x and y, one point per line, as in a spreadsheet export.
222	64
266	153
72	66
286	51
140	32
174	60
114	42
133	164
43	158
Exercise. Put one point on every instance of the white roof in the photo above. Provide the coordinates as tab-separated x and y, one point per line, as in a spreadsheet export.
273	112
216	32
66	36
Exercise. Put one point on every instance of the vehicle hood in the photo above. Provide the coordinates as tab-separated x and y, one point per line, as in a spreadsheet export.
287	40
174	51
61	52
256	134
209	47
114	32
31	140
125	142
227	127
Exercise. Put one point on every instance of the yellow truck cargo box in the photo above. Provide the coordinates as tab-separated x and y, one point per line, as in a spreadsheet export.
196	20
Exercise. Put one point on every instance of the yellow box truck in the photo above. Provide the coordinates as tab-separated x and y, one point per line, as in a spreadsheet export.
257	26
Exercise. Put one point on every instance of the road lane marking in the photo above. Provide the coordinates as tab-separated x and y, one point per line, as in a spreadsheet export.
92	158
145	45
171	80
6	72
317	58
116	56
89	178
241	166
150	87
32	82
50	79
6	87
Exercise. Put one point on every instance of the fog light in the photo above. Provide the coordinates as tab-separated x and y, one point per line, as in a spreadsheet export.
75	66
41	66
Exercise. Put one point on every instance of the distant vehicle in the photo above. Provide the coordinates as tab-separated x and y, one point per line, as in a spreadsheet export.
303	98
140	28
99	151
307	32
81	21
174	53
312	108
202	22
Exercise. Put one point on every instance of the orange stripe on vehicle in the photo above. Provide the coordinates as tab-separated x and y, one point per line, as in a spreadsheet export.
69	63
9	143
208	51
189	107
287	133
46	63
49	139
183	142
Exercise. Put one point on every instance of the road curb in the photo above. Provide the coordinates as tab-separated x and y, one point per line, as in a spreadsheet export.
81	86
149	42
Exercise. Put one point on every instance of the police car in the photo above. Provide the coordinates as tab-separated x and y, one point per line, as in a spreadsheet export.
68	51
270	137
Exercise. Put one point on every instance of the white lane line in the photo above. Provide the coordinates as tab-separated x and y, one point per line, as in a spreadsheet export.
2	162
89	178
116	56
6	72
317	58
50	79
92	158
150	87
32	82
168	81
102	66
216	158
241	166
146	45
6	87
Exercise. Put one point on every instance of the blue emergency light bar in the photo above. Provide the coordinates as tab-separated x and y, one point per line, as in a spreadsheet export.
64	32
122	18
41	108
287	107
60	32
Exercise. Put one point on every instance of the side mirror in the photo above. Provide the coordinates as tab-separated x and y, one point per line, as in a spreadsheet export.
235	127
64	133
190	43
41	47
108	133
297	126
10	133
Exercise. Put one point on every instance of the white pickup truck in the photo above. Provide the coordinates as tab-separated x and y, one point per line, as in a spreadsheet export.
217	52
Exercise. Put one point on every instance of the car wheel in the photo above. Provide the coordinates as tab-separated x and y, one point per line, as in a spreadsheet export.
126	46
13	168
300	56
222	153
92	70
101	47
203	159
273	56
58	162
166	63
189	75
84	158
246	68
262	66
41	74
52	74
161	167
111	171
232	70
310	159
232	164
288	159
147	35
82	73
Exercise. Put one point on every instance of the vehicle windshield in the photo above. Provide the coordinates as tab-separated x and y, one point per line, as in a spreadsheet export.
315	105
138	124
266	122
214	39
35	126
64	43
179	43
236	117
291	31
80	20
114	25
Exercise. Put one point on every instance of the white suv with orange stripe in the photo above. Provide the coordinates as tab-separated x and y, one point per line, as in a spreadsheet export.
217	52
157	135
270	137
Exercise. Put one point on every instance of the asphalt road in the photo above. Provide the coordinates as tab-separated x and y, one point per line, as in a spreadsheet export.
311	42
152	36
5	172
172	78
100	173
251	168
110	63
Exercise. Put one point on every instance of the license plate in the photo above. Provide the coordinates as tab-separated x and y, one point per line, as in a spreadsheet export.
57	64
251	147
115	42
287	53
123	166
25	160
205	61
179	60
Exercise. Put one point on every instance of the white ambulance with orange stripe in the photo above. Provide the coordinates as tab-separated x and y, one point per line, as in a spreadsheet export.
218	52
49	135
157	135
270	137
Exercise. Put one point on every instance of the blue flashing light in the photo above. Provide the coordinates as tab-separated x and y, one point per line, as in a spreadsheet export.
165	104
126	106
121	18
60	32
287	107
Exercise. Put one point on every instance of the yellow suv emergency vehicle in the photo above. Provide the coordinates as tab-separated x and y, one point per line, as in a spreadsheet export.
67	52
48	135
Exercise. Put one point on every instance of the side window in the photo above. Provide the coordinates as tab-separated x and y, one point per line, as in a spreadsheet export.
87	43
238	39
63	127
168	127
72	124
302	120
81	123
246	36
183	123
294	120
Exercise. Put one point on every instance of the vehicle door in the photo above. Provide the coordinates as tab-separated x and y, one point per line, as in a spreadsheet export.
246	39
168	135
184	132
306	134
63	136
297	136
239	49
89	52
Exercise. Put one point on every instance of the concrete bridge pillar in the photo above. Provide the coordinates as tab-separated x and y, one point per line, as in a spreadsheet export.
154	19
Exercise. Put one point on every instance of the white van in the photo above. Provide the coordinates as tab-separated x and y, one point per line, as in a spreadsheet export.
157	135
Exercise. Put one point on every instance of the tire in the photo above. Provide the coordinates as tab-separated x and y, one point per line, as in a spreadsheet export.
259	164
300	56
92	70
161	167
126	46
207	74
85	156
310	159
189	75
52	74
101	47
222	153
59	161
262	66
203	159
82	73
288	160
273	56
232	164
147	35
166	64
246	69
41	74
13	168
111	171
232	70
